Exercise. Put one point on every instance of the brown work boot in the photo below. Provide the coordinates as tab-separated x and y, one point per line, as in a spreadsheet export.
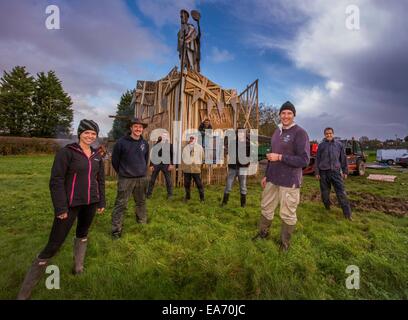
264	225
286	233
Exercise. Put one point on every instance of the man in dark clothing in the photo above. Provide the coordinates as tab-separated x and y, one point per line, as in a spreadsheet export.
237	167
205	125
163	163
331	168
290	152
130	157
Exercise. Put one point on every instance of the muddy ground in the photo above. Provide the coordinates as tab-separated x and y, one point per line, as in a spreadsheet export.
367	202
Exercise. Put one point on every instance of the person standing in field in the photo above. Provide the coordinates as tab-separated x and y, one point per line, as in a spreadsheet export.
192	159
290	152
130	158
236	167
331	169
164	164
77	186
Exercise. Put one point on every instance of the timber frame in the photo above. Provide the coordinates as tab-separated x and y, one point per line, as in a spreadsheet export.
158	104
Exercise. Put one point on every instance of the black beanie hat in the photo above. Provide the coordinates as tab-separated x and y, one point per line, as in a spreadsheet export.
288	106
87	125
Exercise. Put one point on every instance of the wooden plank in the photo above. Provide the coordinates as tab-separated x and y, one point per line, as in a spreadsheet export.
382	177
201	86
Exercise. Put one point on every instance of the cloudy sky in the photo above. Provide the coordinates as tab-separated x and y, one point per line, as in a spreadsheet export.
353	79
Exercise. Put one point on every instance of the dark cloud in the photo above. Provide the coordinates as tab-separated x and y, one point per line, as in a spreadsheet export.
352	80
96	38
369	65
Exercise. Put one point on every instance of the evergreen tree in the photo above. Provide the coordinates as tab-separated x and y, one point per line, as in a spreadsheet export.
124	111
52	107
16	107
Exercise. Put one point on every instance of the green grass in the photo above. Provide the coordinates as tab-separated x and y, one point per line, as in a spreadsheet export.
202	251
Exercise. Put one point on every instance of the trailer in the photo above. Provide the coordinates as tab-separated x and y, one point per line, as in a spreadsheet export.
390	156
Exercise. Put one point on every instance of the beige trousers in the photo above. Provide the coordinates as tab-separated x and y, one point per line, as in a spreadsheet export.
288	198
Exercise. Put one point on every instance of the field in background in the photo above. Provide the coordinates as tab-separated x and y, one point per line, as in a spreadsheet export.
202	251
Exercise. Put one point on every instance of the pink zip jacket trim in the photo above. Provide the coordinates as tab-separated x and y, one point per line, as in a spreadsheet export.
89	169
72	189
89	179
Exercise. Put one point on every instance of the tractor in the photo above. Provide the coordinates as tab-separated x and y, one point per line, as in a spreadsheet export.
356	158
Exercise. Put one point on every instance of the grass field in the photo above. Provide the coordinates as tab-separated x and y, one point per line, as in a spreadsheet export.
202	251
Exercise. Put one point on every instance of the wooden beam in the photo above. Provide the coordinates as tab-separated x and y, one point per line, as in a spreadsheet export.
201	86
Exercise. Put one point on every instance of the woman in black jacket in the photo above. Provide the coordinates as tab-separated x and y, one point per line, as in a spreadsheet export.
77	187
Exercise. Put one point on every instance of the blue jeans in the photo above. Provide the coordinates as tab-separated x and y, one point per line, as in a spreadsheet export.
241	173
329	178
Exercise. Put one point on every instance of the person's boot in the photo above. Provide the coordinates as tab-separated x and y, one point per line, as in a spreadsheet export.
116	235
243	200
264	225
32	277
80	245
170	192
187	196
286	234
202	196
225	199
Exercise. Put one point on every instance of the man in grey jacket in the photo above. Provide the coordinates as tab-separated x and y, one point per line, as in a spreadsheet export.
331	169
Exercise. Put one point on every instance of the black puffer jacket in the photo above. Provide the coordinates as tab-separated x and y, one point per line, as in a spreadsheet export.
76	180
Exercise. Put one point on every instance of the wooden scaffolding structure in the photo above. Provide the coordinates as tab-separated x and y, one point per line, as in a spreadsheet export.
188	99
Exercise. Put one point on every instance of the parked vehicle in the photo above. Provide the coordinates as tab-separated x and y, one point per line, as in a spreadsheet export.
313	153
264	147
403	161
356	158
390	156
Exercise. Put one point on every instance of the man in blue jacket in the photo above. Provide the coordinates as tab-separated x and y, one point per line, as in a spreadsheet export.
331	169
130	157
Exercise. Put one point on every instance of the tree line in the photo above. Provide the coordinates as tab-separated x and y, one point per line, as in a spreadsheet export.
34	106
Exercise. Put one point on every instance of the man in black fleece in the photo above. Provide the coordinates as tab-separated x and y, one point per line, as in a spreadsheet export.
130	157
161	161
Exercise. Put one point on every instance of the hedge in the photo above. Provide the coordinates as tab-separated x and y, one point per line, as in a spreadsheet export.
20	145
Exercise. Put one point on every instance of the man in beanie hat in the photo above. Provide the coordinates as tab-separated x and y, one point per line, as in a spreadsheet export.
130	158
288	106
77	187
290	152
